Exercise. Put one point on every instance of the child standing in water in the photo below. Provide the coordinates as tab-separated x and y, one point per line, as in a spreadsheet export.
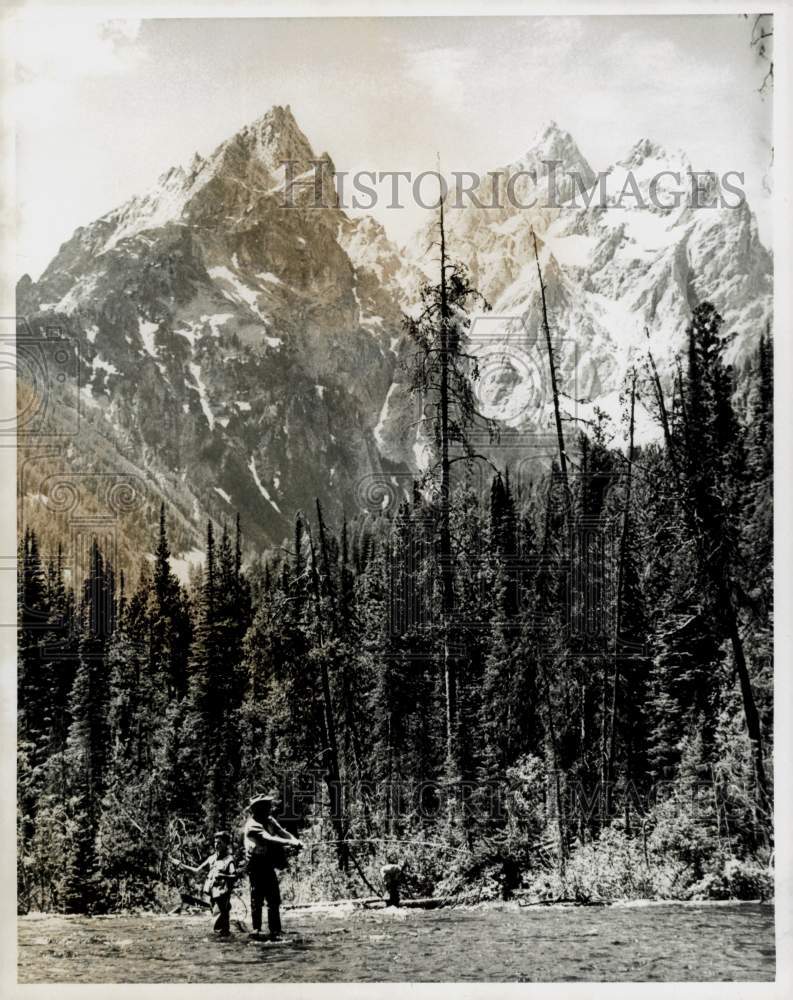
219	881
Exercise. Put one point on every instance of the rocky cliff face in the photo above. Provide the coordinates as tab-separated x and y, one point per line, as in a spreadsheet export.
235	350
242	355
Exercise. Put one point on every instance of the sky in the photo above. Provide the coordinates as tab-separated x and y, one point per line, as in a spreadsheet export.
103	108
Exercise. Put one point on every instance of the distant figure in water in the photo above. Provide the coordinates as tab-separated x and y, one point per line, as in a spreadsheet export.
221	874
391	873
265	840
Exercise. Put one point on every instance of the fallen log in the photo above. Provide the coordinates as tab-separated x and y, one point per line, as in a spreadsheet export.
563	899
355	900
426	903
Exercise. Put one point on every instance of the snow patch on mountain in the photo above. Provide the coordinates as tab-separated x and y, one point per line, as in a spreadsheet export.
216	321
195	371
147	332
422	452
162	205
99	364
379	430
240	291
191	334
185	563
80	291
261	487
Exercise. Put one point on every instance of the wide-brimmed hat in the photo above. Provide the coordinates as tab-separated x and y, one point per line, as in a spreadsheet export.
222	835
260	800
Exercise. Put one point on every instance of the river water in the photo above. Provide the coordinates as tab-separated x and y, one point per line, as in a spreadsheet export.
499	942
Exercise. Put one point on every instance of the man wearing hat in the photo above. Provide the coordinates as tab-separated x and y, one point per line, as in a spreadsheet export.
265	840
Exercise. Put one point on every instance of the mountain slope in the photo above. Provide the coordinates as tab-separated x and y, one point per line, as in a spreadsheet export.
235	350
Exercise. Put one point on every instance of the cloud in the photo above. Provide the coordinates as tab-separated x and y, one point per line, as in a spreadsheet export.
64	49
55	54
442	73
662	63
557	33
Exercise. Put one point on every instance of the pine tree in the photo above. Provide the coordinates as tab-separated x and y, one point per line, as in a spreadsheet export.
685	688
198	753
758	505
170	620
136	797
34	699
34	679
88	739
88	733
624	711
62	640
712	466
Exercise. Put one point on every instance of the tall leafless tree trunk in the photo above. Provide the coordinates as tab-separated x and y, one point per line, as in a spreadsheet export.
554	388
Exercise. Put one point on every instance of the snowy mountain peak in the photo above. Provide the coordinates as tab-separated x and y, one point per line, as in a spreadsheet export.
279	121
551	142
171	176
647	149
252	161
550	136
553	149
640	150
275	137
277	117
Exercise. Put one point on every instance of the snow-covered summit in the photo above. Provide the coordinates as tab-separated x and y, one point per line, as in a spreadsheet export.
553	145
631	252
253	159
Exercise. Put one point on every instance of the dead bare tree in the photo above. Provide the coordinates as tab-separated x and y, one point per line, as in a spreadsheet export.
444	370
554	388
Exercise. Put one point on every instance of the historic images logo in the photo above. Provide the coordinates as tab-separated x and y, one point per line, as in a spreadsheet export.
551	187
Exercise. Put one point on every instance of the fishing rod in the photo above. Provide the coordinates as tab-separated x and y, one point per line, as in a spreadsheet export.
388	840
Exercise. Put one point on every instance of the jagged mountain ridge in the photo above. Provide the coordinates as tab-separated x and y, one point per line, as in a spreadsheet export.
245	356
235	350
615	272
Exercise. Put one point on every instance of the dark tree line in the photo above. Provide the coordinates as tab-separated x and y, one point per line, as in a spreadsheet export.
574	648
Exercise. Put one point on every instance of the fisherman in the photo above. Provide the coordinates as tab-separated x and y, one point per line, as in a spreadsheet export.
391	874
265	840
221	874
